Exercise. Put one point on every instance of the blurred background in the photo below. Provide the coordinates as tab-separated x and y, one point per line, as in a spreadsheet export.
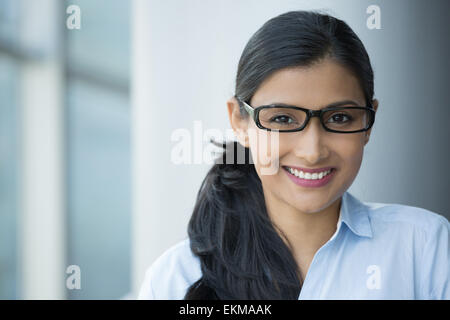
87	117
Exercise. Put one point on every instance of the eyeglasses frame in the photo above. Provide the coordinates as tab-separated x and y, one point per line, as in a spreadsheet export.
254	113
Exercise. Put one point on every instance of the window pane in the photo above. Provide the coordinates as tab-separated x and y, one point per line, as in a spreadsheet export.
102	43
98	123
9	20
8	178
98	149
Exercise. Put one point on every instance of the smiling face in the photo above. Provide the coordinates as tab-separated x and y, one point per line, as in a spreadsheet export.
314	88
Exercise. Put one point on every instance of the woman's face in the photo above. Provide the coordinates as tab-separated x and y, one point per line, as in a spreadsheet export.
314	88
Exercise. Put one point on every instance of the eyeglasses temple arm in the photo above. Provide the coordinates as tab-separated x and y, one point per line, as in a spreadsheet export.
248	108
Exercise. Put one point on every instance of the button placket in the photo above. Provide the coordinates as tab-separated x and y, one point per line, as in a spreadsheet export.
315	285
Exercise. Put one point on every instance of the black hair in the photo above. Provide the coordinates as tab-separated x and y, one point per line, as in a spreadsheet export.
242	253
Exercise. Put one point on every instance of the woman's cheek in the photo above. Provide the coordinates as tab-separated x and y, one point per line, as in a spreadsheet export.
352	160
265	149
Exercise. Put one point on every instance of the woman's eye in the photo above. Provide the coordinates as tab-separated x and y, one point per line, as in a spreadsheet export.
340	118
282	119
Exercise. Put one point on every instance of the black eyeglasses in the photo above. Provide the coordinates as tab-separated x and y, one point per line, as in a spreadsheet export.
286	118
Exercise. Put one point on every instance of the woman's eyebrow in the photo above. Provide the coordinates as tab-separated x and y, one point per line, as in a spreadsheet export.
334	104
343	102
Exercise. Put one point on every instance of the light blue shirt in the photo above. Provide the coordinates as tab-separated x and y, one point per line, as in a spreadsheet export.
379	251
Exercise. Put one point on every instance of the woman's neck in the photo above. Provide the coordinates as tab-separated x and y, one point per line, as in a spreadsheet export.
306	232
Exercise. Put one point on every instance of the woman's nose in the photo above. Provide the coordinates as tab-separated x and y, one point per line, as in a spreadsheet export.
309	143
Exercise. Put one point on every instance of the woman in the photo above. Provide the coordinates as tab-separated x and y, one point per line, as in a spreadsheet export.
304	82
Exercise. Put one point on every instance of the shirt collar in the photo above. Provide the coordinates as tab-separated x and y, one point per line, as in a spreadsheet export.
355	214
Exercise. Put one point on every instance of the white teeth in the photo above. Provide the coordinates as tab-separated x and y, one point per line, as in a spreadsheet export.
308	175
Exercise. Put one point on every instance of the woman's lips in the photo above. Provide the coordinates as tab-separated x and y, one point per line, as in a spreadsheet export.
311	170
309	183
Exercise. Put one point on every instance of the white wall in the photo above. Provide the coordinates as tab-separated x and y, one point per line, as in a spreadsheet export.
41	234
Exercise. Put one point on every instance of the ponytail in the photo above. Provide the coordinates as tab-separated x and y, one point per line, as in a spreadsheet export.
242	255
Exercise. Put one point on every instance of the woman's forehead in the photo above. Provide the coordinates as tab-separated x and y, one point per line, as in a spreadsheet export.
318	85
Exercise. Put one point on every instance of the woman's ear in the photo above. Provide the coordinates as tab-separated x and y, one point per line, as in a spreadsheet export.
237	122
368	132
